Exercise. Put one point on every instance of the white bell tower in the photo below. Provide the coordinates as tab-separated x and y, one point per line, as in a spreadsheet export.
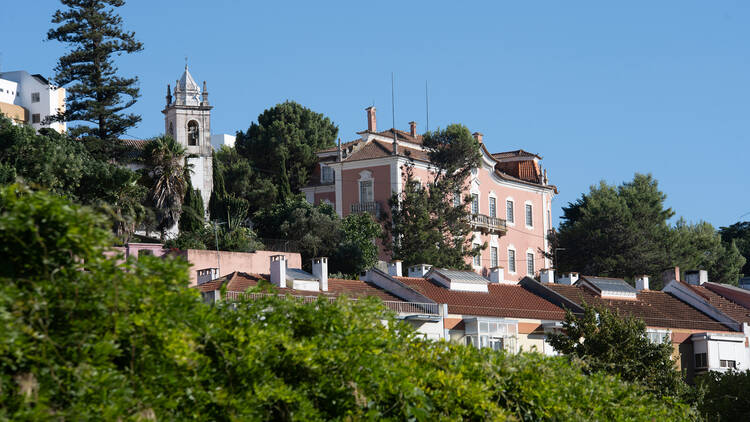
187	118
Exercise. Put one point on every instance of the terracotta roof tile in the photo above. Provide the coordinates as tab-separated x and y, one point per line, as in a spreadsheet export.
525	170
502	300
515	154
657	309
734	294
380	149
733	310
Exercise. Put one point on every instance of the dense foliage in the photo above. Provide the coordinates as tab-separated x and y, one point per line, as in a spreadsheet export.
282	146
725	395
316	231
616	344
129	341
95	93
623	231
425	224
61	164
740	234
165	174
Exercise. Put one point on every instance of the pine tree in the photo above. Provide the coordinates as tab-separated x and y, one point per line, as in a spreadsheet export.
96	95
424	226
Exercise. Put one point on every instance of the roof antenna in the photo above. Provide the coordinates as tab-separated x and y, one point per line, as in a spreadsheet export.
393	116
427	104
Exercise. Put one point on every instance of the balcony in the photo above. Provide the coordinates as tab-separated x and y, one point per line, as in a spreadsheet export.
372	208
488	225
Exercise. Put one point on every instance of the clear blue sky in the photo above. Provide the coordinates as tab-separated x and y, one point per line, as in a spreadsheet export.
601	91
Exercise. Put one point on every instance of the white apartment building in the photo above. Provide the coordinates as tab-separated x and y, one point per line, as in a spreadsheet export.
31	99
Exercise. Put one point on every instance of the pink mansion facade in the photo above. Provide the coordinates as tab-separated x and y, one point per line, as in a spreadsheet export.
511	197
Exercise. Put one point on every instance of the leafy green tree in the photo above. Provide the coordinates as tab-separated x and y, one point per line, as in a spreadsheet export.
725	395
97	95
700	247
424	224
616	231
128	340
617	344
739	233
164	158
241	181
358	250
282	145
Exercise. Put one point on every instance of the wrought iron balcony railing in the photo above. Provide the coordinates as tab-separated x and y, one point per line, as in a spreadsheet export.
368	207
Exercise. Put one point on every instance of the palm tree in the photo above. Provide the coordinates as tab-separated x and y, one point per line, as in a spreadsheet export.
165	161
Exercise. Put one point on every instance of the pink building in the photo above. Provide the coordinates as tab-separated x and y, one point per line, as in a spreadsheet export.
511	195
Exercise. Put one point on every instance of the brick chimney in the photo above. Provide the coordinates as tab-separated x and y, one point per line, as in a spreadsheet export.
478	136
413	129
371	122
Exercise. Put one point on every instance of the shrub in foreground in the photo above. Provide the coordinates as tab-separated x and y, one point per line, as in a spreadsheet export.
83	337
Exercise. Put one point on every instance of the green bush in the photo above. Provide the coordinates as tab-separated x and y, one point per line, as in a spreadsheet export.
725	395
83	337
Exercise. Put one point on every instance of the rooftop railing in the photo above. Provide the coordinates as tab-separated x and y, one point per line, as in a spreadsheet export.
396	306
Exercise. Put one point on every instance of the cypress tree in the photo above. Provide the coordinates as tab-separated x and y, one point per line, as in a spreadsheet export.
192	219
216	206
96	94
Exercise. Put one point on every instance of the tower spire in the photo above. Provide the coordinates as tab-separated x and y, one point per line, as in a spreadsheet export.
204	94
169	95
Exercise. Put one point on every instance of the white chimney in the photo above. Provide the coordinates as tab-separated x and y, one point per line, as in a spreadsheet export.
419	270
394	268
320	270
278	271
641	283
547	275
497	275
207	274
696	277
568	279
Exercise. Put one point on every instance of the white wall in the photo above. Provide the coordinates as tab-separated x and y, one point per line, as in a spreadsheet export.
219	139
50	98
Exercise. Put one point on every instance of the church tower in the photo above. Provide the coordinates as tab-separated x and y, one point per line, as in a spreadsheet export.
187	118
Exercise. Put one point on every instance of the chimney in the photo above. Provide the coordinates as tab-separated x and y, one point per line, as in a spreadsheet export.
371	122
394	268
419	270
568	279
641	283
478	136
278	271
207	274
497	275
671	274
696	277
413	129
547	275
320	270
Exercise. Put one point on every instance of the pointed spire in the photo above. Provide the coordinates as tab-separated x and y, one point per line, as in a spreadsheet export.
204	95
169	95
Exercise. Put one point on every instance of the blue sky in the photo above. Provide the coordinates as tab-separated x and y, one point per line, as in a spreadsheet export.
601	91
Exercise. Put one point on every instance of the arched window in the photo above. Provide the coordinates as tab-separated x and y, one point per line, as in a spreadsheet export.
192	134
171	130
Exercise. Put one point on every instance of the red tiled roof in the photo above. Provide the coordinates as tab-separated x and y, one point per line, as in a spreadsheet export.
733	310
526	170
379	149
138	144
240	282
344	146
734	294
403	136
657	309
502	300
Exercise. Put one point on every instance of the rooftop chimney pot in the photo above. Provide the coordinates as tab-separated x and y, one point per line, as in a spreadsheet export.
497	275
547	275
419	270
320	270
641	283
413	129
696	277
278	271
372	125
568	279
478	136
394	268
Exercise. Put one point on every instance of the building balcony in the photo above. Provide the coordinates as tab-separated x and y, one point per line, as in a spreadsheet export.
488	225
373	208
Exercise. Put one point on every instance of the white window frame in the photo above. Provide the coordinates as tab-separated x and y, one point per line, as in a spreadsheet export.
475	199
366	176
526	206
494	260
490	199
512	268
476	260
658	336
324	179
532	262
510	221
